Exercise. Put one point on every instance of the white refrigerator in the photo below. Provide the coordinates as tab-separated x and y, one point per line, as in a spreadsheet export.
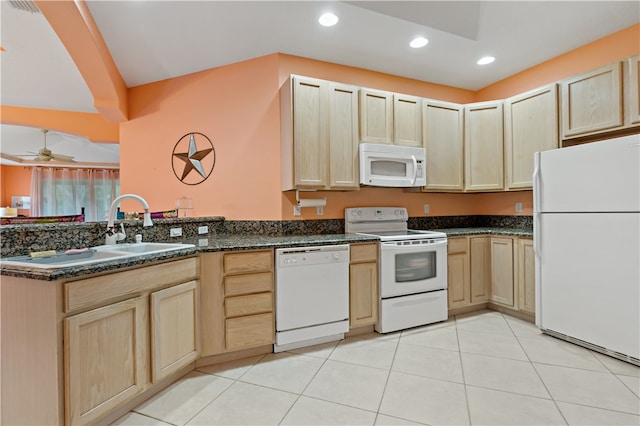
587	245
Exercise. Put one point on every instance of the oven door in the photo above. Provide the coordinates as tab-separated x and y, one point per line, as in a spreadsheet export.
412	266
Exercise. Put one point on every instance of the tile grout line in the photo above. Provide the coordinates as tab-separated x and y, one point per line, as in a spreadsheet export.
464	381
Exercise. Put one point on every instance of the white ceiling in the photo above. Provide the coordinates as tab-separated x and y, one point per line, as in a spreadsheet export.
155	40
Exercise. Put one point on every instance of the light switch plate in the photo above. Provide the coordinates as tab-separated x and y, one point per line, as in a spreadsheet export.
175	232
203	229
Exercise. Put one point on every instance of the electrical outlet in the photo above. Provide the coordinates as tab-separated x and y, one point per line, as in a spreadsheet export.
426	208
203	242
203	230
296	211
175	232
518	207
319	210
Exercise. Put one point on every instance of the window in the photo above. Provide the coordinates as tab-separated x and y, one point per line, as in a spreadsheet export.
61	192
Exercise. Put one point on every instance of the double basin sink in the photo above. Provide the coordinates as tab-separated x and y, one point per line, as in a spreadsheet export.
91	255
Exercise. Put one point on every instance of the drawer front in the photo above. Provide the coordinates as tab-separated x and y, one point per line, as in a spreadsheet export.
247	284
364	252
457	245
100	290
248	305
248	262
248	332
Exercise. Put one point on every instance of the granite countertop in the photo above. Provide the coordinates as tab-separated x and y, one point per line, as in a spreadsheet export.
228	242
510	232
205	243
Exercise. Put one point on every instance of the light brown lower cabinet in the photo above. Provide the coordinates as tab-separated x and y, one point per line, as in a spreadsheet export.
105	359
363	285
237	305
175	341
526	276
110	350
490	269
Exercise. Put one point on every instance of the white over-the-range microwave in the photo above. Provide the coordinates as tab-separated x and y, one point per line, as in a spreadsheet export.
392	165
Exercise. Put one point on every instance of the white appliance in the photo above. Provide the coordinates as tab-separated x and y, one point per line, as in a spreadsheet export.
587	245
392	165
412	267
312	295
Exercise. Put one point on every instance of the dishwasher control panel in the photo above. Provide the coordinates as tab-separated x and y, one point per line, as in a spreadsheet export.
305	256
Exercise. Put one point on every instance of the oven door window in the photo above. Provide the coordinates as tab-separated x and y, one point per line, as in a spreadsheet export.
415	266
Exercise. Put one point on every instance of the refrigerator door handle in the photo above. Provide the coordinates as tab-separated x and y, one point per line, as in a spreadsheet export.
537	187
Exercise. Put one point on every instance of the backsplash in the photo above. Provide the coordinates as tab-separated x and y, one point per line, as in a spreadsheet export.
22	239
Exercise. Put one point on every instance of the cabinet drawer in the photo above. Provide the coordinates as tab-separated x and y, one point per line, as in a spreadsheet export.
248	305
364	252
248	262
247	284
99	290
247	332
457	245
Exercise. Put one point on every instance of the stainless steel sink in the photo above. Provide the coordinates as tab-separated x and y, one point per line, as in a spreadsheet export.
93	255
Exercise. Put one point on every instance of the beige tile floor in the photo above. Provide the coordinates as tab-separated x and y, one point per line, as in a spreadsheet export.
481	369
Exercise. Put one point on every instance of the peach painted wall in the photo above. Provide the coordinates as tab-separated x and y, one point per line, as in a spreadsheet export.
611	48
14	180
237	107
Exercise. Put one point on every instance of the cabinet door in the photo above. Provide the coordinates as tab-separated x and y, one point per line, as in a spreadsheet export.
376	116
502	279
480	261
310	133
483	146
459	285
531	125
632	91
105	359
443	140
343	137
363	294
407	120
526	276
592	102
174	329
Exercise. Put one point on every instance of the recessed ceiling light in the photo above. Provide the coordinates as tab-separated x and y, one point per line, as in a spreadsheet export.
486	60
418	42
328	20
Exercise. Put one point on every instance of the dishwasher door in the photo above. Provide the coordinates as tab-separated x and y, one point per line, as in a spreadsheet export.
312	291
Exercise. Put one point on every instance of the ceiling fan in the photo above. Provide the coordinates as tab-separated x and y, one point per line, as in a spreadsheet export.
45	154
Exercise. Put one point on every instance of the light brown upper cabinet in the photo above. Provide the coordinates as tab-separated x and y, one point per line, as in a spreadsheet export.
483	146
592	101
376	116
631	83
443	131
531	125
319	127
407	120
390	118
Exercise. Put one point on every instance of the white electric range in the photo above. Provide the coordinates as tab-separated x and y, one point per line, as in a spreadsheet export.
412	267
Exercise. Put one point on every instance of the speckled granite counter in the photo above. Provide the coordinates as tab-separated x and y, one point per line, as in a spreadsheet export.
205	243
510	232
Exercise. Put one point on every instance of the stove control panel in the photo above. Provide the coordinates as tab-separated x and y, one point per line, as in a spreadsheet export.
369	214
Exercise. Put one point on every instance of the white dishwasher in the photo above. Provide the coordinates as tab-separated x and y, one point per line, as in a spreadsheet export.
312	295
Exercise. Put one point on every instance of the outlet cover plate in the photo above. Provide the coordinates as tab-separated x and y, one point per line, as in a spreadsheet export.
175	232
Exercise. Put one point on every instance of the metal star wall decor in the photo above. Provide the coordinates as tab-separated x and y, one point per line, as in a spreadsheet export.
195	156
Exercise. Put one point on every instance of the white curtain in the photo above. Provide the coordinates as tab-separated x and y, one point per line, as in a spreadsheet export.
61	192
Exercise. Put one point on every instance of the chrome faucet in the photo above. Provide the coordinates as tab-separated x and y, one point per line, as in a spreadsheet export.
112	235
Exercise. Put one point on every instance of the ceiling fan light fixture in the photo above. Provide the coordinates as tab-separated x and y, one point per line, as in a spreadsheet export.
328	20
485	60
418	42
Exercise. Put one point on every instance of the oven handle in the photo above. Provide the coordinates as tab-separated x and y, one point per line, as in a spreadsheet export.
393	246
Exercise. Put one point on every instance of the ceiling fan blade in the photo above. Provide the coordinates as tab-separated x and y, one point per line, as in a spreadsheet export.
61	157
